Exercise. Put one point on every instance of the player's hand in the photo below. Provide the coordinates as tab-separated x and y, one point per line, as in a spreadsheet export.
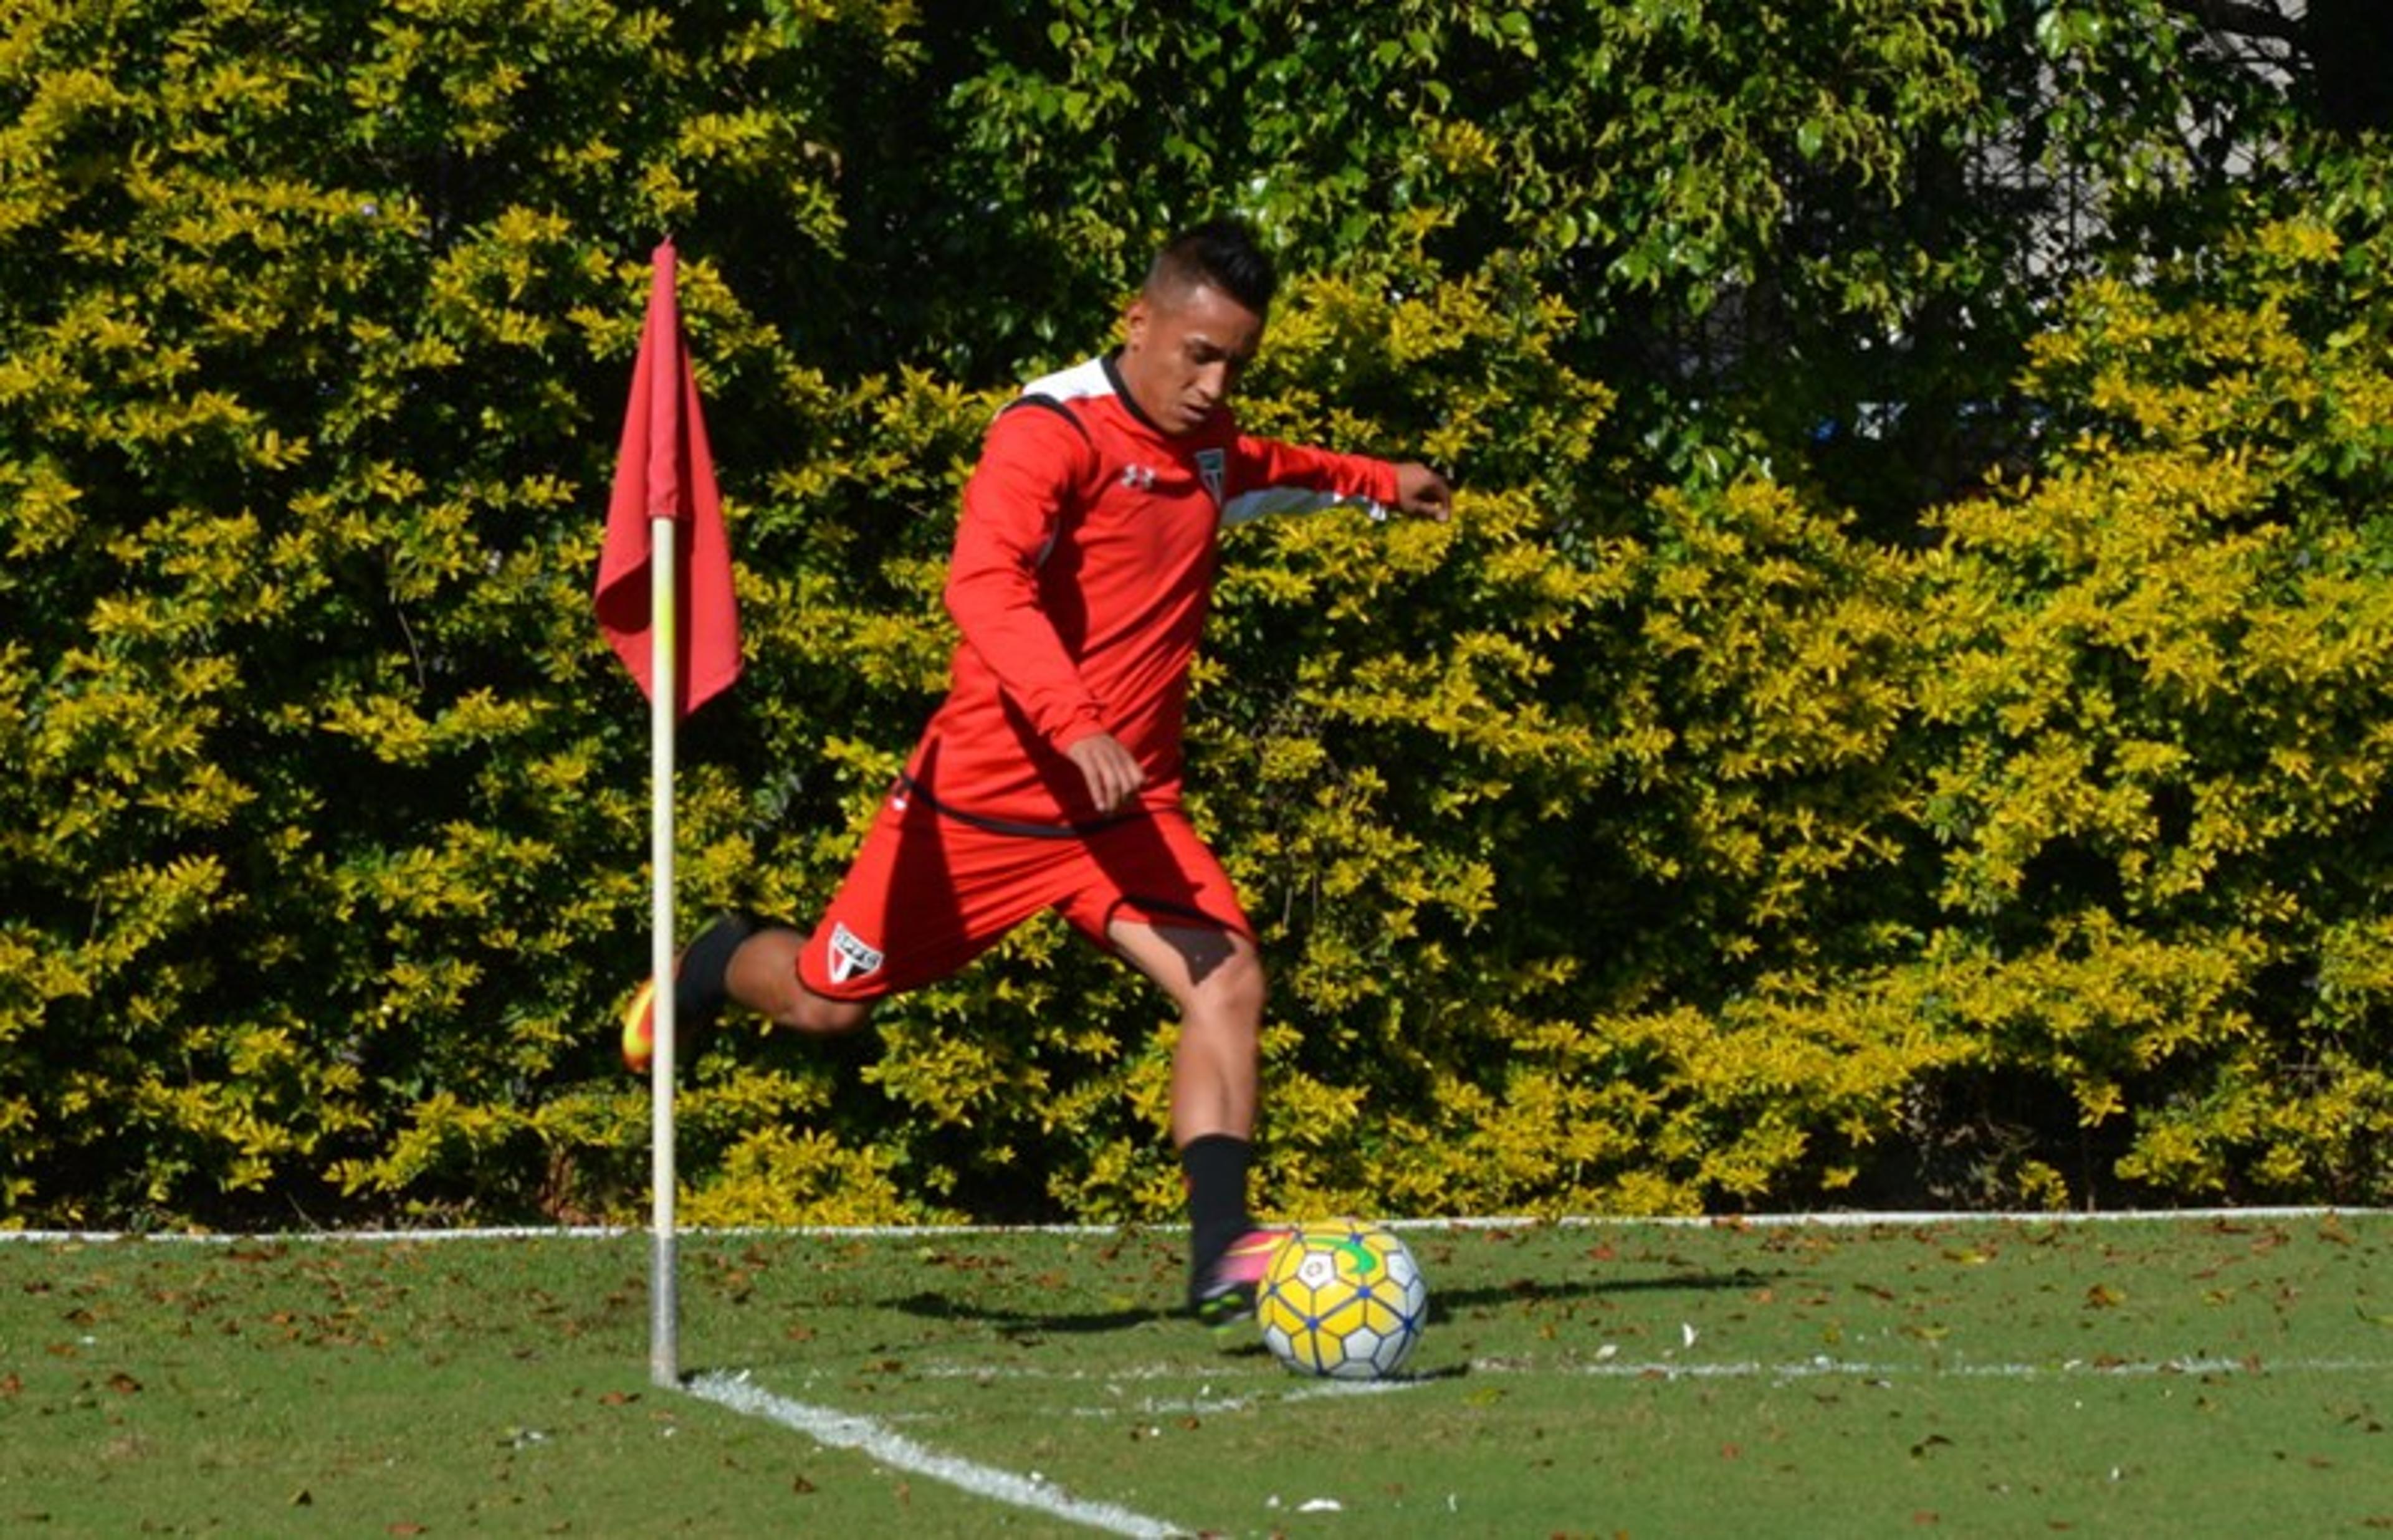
1422	492
1112	772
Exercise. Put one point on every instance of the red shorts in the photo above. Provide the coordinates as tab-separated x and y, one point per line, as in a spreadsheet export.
930	891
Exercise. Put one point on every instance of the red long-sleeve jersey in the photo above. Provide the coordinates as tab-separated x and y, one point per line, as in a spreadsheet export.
1083	568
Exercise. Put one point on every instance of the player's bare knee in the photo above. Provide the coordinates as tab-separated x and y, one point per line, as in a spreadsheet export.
1229	1017
1240	986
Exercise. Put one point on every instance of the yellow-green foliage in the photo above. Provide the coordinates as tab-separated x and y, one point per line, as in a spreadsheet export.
1652	837
316	335
2160	683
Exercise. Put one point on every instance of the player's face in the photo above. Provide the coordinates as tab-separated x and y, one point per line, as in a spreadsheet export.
1181	353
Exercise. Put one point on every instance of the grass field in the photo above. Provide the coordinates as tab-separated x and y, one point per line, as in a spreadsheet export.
2229	1376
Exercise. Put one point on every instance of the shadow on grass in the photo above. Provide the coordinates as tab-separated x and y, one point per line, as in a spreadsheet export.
945	1307
1444	1303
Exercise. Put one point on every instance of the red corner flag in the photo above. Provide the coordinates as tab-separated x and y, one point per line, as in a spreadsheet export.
665	471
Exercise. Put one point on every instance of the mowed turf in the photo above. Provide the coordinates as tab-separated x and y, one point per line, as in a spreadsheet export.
2228	1376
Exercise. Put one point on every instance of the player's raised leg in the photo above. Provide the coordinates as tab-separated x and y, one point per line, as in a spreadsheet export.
763	976
736	960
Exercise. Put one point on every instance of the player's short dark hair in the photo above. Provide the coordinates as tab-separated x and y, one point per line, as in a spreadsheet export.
1220	253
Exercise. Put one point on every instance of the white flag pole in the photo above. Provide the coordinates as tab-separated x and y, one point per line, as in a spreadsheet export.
665	1290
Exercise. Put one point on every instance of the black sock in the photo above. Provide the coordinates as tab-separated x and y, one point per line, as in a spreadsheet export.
1215	1165
701	987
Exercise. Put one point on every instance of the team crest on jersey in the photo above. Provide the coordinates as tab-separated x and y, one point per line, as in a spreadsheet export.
1212	464
850	956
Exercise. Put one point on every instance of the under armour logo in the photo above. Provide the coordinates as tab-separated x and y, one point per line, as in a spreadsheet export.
1138	477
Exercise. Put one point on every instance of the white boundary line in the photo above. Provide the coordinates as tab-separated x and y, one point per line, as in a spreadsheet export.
1830	1218
1780	1374
1604	1365
2066	1369
844	1430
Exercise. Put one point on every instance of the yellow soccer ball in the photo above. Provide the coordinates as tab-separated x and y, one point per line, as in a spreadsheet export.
1344	1299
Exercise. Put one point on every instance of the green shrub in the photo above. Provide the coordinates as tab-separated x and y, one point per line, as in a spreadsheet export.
1658	835
311	358
2160	690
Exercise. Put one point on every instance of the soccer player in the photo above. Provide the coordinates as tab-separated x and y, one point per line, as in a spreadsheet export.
1050	777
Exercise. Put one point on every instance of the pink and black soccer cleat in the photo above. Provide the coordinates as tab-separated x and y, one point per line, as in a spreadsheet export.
1222	1290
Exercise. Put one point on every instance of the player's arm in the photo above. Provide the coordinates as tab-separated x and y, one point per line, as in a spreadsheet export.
1013	508
1285	478
1423	493
1112	772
